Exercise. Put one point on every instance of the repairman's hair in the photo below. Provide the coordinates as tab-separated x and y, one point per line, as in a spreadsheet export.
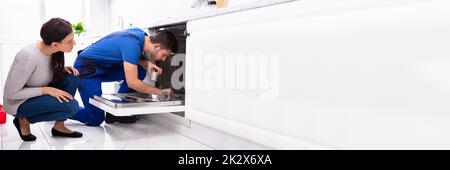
166	39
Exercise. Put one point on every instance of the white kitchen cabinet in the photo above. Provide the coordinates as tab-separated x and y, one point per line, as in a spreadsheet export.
321	73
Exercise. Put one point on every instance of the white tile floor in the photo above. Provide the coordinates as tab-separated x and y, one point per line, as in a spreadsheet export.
142	135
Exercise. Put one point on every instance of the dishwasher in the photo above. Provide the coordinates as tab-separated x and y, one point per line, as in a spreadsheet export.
173	76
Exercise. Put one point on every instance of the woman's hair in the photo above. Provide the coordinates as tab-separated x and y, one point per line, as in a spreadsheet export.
55	30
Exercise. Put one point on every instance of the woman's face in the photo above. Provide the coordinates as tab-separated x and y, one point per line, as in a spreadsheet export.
66	45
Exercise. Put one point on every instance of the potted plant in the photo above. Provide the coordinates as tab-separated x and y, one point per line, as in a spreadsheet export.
79	28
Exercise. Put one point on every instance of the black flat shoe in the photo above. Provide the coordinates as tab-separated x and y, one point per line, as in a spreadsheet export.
27	138
74	134
122	119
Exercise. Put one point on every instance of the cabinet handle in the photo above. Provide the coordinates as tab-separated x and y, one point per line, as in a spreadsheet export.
186	34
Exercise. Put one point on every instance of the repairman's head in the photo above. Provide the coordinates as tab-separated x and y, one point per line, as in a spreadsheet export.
161	45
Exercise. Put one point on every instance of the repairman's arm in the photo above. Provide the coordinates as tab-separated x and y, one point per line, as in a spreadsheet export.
131	76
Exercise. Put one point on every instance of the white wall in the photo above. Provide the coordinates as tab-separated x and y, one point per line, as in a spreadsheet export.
20	22
99	19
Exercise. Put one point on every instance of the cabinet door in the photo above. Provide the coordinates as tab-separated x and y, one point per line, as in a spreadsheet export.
359	74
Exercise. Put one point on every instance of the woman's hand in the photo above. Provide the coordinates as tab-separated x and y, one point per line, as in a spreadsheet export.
58	94
72	70
151	67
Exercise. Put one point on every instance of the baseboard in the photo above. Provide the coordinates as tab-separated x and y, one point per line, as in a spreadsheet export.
213	138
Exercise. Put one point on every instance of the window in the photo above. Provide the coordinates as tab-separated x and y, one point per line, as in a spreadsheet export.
93	13
73	11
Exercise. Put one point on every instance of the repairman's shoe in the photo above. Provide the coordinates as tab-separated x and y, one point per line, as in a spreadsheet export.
122	119
74	134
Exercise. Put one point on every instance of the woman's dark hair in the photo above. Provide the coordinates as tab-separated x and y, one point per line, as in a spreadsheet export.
55	30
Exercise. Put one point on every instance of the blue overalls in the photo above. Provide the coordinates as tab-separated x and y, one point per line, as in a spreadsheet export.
103	62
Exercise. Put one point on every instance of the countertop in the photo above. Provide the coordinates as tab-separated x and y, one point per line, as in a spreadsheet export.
211	12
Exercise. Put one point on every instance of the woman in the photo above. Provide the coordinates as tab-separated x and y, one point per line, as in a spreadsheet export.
38	87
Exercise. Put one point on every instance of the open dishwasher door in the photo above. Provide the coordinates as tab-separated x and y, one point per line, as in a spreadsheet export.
123	100
126	104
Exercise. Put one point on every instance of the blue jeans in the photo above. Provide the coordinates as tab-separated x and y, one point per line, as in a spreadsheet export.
92	85
48	108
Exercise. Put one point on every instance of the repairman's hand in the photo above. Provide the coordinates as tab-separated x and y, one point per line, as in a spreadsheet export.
151	67
169	91
72	70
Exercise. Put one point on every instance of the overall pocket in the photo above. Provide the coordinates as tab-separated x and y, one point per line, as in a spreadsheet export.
86	67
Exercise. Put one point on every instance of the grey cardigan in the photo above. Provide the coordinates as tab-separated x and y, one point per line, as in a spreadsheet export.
30	71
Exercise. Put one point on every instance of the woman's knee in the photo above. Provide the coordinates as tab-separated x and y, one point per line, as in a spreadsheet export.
72	106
